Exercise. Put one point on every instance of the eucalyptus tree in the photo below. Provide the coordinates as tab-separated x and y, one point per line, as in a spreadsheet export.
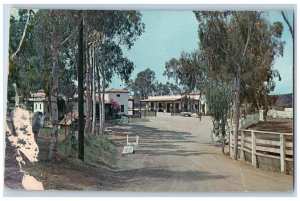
219	97
111	61
53	31
144	84
245	41
161	89
23	61
115	29
187	70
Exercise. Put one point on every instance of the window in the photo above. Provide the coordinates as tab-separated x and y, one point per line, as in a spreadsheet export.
122	108
35	106
118	95
40	106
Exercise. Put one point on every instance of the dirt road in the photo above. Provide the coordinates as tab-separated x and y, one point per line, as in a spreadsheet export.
175	154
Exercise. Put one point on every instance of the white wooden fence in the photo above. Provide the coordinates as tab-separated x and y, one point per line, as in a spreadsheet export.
286	114
266	144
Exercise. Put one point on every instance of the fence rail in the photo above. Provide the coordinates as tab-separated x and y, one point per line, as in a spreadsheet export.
280	114
148	113
266	144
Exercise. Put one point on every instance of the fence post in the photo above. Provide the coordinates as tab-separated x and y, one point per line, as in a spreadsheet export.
242	145
230	143
282	153
253	148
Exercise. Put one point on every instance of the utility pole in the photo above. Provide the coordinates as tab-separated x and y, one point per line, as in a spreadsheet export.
80	94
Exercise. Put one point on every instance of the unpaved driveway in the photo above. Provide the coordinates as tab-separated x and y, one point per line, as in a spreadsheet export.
174	154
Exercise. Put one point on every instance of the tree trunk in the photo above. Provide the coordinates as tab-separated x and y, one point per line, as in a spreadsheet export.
237	111
80	94
99	98
54	86
88	93
103	104
17	102
94	91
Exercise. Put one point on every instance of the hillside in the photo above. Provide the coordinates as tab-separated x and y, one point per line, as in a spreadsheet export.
283	101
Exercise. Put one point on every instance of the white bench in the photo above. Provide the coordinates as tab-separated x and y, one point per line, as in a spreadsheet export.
128	150
136	143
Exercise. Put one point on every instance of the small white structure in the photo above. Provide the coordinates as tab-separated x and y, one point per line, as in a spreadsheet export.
40	102
127	150
136	143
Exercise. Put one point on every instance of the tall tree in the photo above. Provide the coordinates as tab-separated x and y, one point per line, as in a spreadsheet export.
116	29
88	91
230	35
94	88
54	83
144	83
161	89
24	65
186	71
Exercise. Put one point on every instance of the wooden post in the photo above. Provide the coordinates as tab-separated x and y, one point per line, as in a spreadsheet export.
282	153
141	109
65	142
137	141
230	143
65	128
253	148
242	145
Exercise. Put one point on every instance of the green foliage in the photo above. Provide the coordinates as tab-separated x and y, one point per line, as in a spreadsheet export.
186	71
242	40
24	68
219	99
144	84
99	149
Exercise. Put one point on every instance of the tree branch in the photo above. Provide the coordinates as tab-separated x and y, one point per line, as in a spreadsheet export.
288	23
248	37
68	38
23	36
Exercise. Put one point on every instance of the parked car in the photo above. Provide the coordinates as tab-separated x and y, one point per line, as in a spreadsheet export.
185	113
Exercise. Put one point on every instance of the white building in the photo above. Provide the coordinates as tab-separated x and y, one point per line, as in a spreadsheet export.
192	102
40	102
119	95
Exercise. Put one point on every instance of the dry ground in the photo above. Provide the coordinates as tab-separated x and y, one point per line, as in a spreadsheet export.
275	125
174	155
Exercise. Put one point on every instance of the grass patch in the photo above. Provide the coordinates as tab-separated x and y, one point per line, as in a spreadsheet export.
47	131
99	149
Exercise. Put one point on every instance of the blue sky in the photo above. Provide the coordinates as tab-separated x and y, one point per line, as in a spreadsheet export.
168	33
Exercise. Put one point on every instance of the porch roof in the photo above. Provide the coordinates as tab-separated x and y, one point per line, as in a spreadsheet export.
170	98
161	98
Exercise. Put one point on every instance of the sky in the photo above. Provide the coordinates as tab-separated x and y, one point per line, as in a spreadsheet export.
168	33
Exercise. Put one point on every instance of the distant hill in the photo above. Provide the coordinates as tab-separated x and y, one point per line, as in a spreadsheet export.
283	101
